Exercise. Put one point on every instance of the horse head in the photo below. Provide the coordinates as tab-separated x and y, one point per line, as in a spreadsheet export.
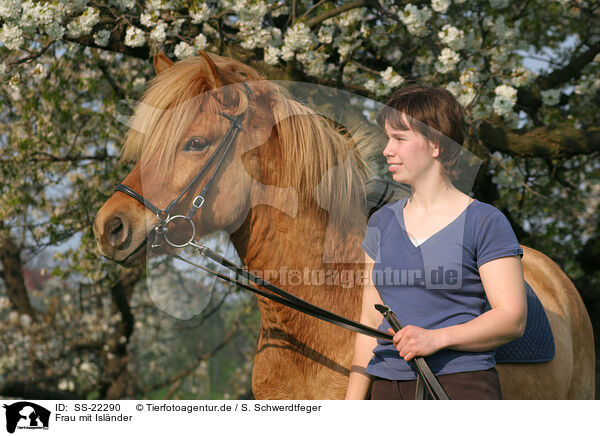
279	157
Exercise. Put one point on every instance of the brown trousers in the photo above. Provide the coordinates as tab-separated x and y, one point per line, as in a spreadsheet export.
470	385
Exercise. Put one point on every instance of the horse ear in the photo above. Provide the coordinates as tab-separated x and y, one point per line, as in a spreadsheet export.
161	62
213	69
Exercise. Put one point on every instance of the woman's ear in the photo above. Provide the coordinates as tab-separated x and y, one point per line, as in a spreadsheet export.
435	148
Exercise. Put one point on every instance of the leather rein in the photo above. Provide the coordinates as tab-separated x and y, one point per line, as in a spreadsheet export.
425	380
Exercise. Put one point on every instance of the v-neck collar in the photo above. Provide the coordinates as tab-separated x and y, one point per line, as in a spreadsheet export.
409	244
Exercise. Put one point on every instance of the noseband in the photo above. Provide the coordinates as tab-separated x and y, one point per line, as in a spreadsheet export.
164	215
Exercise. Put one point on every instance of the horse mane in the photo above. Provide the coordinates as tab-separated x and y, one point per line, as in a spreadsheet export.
321	160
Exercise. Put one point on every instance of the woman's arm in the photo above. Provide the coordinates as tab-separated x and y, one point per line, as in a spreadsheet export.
504	286
360	382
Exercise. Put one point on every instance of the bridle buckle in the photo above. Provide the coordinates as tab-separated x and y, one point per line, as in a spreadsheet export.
198	202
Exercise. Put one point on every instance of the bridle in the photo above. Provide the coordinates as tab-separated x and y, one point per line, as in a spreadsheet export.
164	215
426	379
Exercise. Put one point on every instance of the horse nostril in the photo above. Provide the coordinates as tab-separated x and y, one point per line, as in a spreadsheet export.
115	232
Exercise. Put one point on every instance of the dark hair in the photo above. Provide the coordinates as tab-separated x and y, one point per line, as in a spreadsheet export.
433	112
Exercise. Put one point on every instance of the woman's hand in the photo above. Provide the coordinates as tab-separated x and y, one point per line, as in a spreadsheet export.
412	341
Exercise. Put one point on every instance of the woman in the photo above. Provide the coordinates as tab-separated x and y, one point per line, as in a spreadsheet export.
435	257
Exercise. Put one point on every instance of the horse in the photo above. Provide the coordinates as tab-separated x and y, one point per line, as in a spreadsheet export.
276	198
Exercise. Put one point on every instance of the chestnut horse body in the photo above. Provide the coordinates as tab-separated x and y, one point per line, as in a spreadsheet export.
276	198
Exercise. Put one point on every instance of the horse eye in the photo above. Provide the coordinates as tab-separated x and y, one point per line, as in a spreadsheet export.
196	143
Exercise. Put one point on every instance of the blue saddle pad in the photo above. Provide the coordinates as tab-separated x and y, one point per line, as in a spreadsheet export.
537	343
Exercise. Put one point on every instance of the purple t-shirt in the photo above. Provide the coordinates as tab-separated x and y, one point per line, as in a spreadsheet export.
436	284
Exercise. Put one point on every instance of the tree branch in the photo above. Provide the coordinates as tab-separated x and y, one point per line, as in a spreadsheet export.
571	70
554	142
529	98
115	378
115	43
10	257
104	68
31	57
336	11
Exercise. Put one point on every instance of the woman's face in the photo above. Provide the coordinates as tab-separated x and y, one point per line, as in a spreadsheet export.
409	155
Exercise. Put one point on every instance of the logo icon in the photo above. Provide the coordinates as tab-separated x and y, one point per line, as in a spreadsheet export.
26	415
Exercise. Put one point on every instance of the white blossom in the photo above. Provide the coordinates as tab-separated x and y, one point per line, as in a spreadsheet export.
506	97
138	84
66	385
39	70
147	19
415	19
39	14
506	91
256	38
297	38
10	8
11	36
83	24
184	50
468	76
588	84
159	33
325	34
550	97
447	60
452	37
440	5
13	317
377	87
314	62
200	42
176	25
207	29
134	37
55	31
101	38
521	76
272	55
200	13
25	320
4	302
463	94
250	15
155	5
390	78
346	47
350	17
76	6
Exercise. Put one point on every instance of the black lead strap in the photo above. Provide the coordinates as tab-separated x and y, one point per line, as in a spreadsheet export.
425	377
281	296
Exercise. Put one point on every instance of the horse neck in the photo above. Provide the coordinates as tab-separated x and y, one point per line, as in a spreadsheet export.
270	240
